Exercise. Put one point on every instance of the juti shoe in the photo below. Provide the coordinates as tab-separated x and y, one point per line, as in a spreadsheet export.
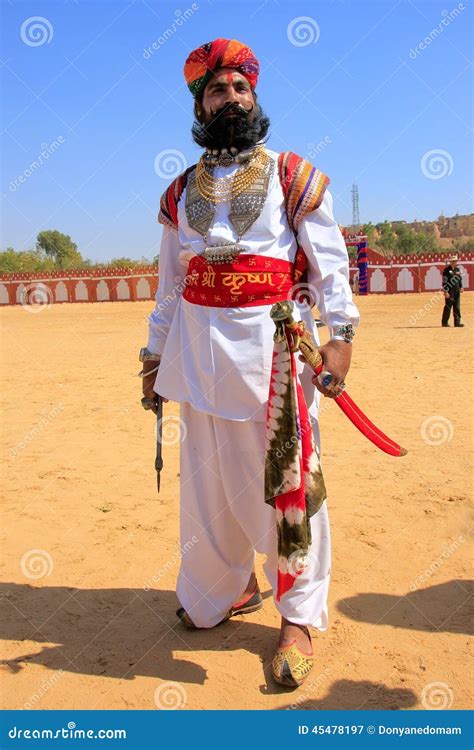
248	603
291	666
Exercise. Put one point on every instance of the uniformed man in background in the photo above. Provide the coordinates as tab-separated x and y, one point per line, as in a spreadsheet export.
452	287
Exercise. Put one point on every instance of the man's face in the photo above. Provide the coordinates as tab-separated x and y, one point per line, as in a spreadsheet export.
452	263
226	87
228	114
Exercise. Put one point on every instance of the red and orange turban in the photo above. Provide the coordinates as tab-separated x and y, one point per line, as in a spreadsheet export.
221	53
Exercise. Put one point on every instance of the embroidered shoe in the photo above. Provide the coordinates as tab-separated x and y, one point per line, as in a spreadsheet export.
291	666
249	603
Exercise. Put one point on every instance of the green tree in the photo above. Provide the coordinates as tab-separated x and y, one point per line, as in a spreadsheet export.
405	240
25	262
410	242
352	252
60	248
387	243
464	245
123	263
370	231
427	243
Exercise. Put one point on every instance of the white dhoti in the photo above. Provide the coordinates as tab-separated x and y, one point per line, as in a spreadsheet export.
225	521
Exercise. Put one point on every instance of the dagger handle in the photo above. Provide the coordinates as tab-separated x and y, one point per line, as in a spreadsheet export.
301	340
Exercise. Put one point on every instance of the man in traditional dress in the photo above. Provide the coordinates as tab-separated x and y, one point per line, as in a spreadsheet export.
452	287
243	229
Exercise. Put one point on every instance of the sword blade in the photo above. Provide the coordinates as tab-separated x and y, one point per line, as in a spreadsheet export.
367	427
364	424
159	443
301	339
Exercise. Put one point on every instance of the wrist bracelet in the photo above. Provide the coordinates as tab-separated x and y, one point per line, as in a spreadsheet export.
345	332
143	374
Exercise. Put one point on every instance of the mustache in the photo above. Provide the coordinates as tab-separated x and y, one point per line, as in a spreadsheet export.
233	108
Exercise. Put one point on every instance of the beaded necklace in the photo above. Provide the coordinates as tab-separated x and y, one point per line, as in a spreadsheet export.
222	189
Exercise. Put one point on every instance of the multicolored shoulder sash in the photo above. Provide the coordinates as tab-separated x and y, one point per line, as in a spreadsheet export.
168	214
303	187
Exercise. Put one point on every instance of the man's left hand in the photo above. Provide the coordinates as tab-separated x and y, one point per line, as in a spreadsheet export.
336	356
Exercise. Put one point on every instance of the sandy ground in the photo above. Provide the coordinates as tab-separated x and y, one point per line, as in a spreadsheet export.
90	552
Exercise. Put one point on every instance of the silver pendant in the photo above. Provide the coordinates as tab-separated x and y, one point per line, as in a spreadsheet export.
223	253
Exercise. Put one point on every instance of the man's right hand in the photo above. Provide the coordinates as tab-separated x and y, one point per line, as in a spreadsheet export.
149	380
446	295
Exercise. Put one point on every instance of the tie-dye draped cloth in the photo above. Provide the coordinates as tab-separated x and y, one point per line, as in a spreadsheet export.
294	483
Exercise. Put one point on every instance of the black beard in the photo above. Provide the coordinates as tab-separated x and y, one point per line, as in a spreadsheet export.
238	132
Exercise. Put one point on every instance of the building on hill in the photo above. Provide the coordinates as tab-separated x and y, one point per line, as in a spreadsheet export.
444	227
456	226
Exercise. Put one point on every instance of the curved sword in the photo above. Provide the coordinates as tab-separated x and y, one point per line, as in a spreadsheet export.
301	339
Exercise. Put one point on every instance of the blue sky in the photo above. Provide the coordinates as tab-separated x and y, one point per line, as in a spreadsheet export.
384	88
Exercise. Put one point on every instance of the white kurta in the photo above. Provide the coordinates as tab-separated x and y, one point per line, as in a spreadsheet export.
219	359
216	362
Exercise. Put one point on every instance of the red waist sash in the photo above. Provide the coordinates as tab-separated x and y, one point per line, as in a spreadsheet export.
248	280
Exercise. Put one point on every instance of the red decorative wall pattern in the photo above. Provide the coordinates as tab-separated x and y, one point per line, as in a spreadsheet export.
403	273
412	273
85	285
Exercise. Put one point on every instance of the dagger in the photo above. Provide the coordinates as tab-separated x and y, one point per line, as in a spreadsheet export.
159	441
302	341
156	405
